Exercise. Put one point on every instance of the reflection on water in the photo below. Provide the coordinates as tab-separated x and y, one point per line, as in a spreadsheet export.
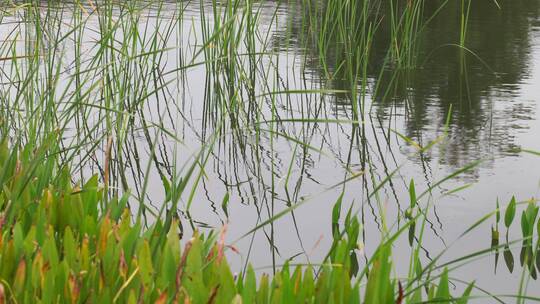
279	128
480	81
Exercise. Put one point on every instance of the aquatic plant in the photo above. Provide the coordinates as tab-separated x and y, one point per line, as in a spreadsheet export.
65	242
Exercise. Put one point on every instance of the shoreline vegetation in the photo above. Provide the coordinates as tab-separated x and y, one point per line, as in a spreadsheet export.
92	91
65	242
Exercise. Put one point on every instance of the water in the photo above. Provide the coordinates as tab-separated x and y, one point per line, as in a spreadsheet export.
267	159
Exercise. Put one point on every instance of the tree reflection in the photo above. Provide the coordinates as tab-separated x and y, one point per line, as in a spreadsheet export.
478	82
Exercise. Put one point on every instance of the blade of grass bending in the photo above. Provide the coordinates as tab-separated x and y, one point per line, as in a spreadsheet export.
530	152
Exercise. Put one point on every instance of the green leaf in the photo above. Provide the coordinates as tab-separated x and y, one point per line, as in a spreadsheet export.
379	285
412	228
118	209
50	252
465	296
412	194
250	286
524	224
145	264
308	283
263	295
508	258
416	297
220	285
225	204
70	248
532	213
443	290
336	211
510	213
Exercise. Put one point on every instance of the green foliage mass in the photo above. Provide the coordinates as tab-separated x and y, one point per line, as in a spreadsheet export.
63	242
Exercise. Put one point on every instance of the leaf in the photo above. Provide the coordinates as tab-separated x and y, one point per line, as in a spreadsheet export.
524	224
166	187
70	248
20	276
250	286
336	211
378	284
145	264
508	258
162	299
237	299
2	294
225	204
50	252
120	207
412	228
531	213
465	296
263	295
227	290
510	213
416	297
354	264
412	194
443	291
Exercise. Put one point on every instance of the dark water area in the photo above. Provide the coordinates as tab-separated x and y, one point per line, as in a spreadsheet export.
291	133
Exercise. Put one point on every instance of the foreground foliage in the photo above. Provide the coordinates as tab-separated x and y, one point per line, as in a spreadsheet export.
69	243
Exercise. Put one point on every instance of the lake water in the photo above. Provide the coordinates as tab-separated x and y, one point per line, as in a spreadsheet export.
290	134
